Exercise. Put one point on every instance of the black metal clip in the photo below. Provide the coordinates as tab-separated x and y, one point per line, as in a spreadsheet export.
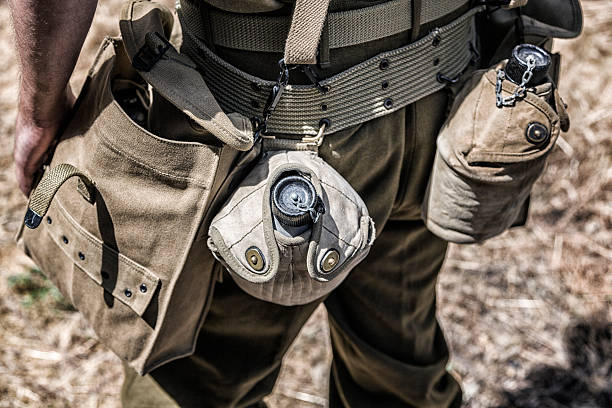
153	49
312	75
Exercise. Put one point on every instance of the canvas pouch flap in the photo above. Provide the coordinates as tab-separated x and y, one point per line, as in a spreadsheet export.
298	269
145	29
489	157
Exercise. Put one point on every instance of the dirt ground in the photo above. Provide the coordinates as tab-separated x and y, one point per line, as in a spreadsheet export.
527	314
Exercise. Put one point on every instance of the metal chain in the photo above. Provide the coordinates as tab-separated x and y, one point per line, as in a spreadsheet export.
520	91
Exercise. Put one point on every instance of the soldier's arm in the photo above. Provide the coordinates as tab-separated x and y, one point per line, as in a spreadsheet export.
49	35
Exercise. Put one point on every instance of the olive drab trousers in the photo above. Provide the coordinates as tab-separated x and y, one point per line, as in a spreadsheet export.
388	349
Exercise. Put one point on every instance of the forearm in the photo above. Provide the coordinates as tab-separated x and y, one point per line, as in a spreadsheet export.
49	35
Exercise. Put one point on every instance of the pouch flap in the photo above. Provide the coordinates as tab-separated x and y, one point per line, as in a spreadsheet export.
145	27
552	18
245	221
126	280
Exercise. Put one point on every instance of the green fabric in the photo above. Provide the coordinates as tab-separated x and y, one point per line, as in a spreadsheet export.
388	348
409	73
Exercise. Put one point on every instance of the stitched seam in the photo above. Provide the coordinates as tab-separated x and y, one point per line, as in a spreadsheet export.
122	258
340	239
241	238
114	148
341	192
241	200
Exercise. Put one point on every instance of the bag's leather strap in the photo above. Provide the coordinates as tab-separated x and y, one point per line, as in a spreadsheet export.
252	32
43	194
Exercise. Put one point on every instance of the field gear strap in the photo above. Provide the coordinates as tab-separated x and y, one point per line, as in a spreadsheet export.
145	29
43	194
376	87
306	27
263	33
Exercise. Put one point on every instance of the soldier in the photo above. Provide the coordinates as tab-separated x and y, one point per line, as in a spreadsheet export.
388	349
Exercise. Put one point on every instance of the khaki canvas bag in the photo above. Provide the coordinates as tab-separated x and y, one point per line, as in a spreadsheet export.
489	157
118	221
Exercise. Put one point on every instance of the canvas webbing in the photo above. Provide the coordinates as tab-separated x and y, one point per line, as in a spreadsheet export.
251	32
376	87
305	31
41	197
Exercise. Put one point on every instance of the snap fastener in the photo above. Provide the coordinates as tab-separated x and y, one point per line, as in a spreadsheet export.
65	239
255	258
323	107
436	39
388	103
536	133
127	293
384	64
436	61
143	288
81	256
49	220
325	89
330	260
385	84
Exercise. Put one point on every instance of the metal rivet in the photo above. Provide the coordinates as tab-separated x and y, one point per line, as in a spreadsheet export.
384	64
436	40
536	133
254	104
323	107
255	258
255	87
143	288
388	103
49	220
105	275
436	61
65	239
127	293
325	122
325	88
330	260
81	256
385	84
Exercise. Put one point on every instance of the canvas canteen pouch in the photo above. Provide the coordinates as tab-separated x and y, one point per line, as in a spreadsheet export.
294	227
118	221
489	157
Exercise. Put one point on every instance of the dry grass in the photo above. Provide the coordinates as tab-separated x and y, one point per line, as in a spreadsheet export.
505	305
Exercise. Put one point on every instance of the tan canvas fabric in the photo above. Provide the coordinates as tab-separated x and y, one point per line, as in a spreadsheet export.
126	259
486	163
292	272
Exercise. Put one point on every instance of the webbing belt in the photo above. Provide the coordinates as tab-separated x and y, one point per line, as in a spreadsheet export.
373	88
251	32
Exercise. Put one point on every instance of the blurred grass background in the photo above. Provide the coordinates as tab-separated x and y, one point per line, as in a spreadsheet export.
527	314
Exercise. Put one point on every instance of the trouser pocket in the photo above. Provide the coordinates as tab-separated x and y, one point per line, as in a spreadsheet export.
489	157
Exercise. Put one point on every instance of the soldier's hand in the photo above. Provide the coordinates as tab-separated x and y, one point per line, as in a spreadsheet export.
34	137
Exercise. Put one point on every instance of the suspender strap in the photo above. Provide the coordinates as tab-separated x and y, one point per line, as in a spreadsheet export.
305	32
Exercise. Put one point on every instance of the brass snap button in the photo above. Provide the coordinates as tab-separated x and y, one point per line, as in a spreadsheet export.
388	103
536	133
255	258
330	260
384	64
